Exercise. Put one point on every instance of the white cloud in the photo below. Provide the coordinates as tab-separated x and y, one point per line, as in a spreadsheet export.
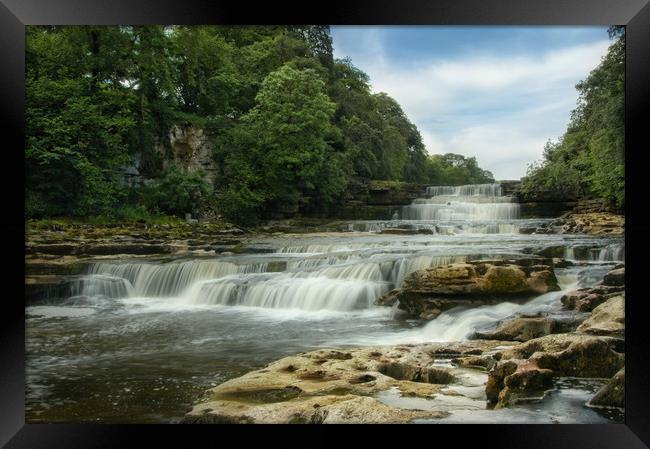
500	109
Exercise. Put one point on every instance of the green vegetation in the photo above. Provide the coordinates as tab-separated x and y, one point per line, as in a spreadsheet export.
588	161
291	125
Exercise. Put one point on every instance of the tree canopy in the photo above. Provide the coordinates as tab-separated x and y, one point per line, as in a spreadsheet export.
588	161
291	125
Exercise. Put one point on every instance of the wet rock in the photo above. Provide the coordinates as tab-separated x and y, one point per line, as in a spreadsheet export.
559	262
486	362
587	299
520	329
516	380
612	394
331	386
572	354
388	299
615	277
404	231
556	251
606	319
429	292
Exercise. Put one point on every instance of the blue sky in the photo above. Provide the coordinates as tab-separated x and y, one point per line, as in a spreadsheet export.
496	93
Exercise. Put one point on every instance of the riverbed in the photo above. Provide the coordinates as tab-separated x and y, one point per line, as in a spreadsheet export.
140	341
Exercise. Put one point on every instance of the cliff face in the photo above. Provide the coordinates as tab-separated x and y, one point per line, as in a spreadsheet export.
377	200
542	205
191	150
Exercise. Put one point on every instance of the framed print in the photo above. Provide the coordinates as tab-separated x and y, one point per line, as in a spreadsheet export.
365	215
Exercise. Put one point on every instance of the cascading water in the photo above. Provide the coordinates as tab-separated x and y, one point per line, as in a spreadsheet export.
469	202
184	326
324	283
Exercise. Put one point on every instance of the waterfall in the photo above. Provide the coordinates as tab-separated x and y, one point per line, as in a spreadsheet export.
170	279
277	290
468	202
88	286
333	282
613	252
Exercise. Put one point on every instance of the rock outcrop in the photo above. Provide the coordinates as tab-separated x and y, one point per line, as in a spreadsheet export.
336	386
429	292
598	223
606	319
587	299
515	380
191	149
526	371
572	354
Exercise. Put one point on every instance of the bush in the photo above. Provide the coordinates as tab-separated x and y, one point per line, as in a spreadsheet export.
177	193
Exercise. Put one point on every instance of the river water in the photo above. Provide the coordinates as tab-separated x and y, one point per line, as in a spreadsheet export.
140	341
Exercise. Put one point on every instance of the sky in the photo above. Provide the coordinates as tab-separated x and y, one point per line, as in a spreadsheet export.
496	93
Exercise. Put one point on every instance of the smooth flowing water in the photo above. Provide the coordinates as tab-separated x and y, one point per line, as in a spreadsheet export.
140	341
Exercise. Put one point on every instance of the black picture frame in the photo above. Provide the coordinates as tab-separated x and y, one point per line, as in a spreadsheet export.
15	14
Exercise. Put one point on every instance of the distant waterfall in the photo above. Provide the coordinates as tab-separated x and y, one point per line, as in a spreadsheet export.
469	202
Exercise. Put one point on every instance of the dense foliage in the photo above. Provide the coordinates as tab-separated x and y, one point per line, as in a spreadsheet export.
588	161
291	125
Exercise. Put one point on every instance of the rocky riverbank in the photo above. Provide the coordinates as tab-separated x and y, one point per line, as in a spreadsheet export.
521	360
596	223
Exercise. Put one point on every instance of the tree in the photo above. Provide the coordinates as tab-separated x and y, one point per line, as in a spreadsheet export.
282	155
589	159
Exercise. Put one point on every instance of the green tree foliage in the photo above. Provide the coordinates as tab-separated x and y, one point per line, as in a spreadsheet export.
455	169
589	159
177	193
291	125
280	149
79	120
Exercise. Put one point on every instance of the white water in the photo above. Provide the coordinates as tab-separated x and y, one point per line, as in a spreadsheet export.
184	326
614	252
320	283
469	202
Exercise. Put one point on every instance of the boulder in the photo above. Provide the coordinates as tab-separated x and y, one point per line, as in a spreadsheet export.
612	394
516	380
429	292
615	277
572	354
606	319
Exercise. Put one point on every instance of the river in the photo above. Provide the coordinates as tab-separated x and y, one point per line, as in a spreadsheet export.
141	340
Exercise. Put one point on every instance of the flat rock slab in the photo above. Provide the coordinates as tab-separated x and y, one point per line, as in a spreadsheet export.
340	386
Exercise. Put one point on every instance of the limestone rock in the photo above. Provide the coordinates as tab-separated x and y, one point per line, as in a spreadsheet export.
520	329
429	292
514	380
572	354
606	319
587	299
598	223
333	386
